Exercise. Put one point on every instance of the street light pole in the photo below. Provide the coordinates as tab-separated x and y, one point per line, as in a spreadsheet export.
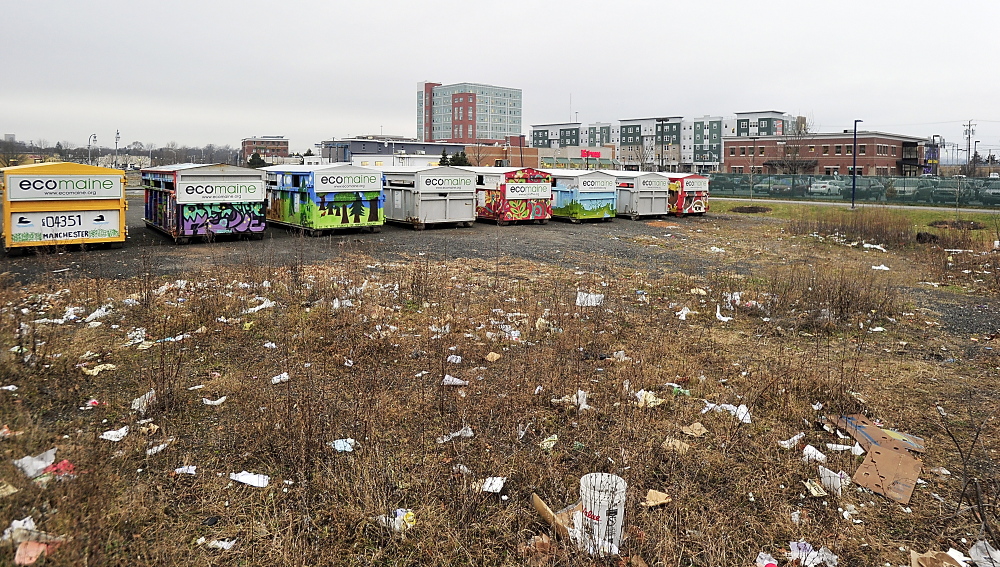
89	138
854	166
975	158
117	137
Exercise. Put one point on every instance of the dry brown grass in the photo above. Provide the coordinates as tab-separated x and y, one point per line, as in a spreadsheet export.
812	350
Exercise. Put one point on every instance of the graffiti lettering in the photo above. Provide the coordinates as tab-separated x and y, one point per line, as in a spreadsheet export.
222	218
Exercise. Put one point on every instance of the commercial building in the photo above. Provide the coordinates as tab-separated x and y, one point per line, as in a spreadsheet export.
467	113
760	123
878	153
578	157
558	135
264	146
343	150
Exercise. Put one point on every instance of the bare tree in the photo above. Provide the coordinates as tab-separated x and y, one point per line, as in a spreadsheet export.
793	153
11	153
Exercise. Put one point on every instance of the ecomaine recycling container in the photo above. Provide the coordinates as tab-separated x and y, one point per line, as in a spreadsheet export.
321	198
642	193
419	196
510	194
580	195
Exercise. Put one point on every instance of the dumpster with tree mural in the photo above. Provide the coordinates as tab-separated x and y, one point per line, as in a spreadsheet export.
505	194
191	200
319	198
580	195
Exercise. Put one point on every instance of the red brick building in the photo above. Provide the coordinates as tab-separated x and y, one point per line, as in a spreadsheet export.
264	146
878	153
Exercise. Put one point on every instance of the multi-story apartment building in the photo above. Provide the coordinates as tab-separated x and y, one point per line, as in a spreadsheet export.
558	135
264	146
467	113
759	123
596	135
344	149
701	144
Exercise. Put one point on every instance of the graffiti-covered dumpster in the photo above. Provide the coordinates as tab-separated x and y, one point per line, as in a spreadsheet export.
50	204
320	198
642	193
507	194
688	193
419	196
580	195
190	200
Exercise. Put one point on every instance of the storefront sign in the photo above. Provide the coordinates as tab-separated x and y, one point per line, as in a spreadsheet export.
527	190
63	187
48	227
189	193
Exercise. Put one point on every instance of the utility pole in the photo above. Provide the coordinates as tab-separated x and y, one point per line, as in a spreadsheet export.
970	131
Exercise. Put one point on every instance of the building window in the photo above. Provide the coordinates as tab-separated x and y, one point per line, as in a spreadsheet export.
837	150
850	149
736	169
861	149
761	151
378	163
894	152
364	163
826	150
732	150
812	149
743	150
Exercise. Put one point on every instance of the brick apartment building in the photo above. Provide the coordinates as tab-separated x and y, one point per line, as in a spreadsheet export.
878	153
467	113
264	146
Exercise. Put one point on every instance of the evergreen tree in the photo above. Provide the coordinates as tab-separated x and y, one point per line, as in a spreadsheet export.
255	161
444	158
308	153
460	159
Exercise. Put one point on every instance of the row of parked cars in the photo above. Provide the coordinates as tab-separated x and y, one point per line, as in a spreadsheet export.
929	189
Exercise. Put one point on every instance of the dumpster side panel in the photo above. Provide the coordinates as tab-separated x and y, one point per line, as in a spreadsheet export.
222	218
446	207
570	202
345	209
284	206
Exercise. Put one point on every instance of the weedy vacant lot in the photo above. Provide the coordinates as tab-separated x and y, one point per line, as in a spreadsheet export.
358	347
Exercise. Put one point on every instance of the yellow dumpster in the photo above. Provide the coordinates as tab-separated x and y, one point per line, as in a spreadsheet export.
51	204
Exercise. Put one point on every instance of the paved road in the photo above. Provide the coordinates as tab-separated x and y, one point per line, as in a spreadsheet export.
832	203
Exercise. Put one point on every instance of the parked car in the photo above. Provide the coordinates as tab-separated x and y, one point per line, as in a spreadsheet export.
824	187
955	189
908	189
990	194
867	188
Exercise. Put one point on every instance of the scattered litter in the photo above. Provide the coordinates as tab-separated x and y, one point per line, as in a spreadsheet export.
538	390
655	498
584	299
492	357
115	435
810	453
454	359
6	432
855	449
461	469
11	388
765	560
223	544
684	312
868	434
549	442
141	404
494	484
936	470
720	316
154	450
877	330
935	559
602	521
400	520
818	406
257	480
874	246
789	443
98	369
984	555
269	344
716	249
648	399
265	304
808	557
833	481
217	402
579	399
814	488
566	522
675	445
742	412
892	474
283	377
186	469
464	432
6	489
343	445
98	313
881	267
696	429
698	291
450	380
198	387
34	466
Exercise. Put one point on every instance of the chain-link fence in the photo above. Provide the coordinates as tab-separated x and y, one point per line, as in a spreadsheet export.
932	190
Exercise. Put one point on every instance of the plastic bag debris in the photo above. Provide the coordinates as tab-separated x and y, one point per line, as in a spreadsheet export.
343	445
584	299
450	380
675	445
833	481
283	377
494	484
789	443
855	449
198	387
6	489
815	489
34	466
684	312
11	388
265	304
492	357
400	520
141	404
765	560
741	412
256	480
454	359
579	399
269	344
158	448
187	469
99	313
720	316
698	291
464	432
935	559
115	435
655	498
223	544
549	442
716	249
984	555
882	267
648	399
6	432
696	429
810	454
98	369
25	524
809	557
217	402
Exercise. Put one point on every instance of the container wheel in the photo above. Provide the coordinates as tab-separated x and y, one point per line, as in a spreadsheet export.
468	224
634	216
117	245
13	252
543	221
376	229
182	240
608	219
574	221
503	223
419	226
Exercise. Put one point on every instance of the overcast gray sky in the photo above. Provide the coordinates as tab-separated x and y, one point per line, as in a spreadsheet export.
212	71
